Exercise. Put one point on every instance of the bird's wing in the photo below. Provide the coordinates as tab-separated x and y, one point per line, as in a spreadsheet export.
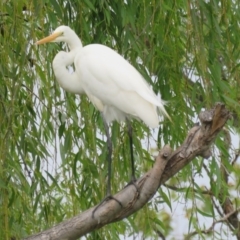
116	84
113	71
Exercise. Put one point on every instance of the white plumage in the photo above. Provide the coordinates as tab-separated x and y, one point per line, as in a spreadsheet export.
112	84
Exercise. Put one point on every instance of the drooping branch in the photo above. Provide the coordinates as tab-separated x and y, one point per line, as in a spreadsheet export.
197	143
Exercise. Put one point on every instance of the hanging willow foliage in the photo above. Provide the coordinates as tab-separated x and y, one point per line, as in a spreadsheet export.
52	145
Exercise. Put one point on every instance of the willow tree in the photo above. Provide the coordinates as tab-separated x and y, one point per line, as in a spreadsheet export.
52	145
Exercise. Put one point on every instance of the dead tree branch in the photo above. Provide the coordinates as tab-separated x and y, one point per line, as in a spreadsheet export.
197	143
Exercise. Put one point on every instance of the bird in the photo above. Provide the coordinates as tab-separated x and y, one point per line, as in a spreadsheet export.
111	83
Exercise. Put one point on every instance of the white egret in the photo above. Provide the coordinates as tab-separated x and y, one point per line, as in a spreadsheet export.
112	84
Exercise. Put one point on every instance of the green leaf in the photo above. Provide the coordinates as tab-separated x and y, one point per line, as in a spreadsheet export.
166	199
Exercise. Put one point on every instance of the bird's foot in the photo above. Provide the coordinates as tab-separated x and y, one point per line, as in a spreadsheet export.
133	182
107	198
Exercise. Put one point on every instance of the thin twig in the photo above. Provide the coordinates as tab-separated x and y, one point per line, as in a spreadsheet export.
236	157
160	234
211	228
217	207
207	192
54	118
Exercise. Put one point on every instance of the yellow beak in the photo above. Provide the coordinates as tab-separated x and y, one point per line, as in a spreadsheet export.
50	38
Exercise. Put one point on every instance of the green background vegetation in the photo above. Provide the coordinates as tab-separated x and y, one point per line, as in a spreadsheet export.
52	144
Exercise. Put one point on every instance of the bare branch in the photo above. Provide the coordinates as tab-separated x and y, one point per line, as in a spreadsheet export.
197	143
111	211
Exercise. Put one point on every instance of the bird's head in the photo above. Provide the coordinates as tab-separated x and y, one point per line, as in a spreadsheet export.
61	34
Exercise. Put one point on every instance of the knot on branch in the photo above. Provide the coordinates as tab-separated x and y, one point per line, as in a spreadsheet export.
214	119
165	152
206	154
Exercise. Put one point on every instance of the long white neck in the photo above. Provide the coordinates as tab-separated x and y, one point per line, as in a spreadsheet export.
73	41
68	81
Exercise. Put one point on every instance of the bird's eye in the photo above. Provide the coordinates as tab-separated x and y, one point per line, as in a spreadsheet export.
62	34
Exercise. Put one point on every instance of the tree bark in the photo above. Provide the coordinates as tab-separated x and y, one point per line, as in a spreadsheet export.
197	143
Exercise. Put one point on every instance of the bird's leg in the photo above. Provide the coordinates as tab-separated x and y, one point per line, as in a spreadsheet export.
130	131
133	177
109	158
